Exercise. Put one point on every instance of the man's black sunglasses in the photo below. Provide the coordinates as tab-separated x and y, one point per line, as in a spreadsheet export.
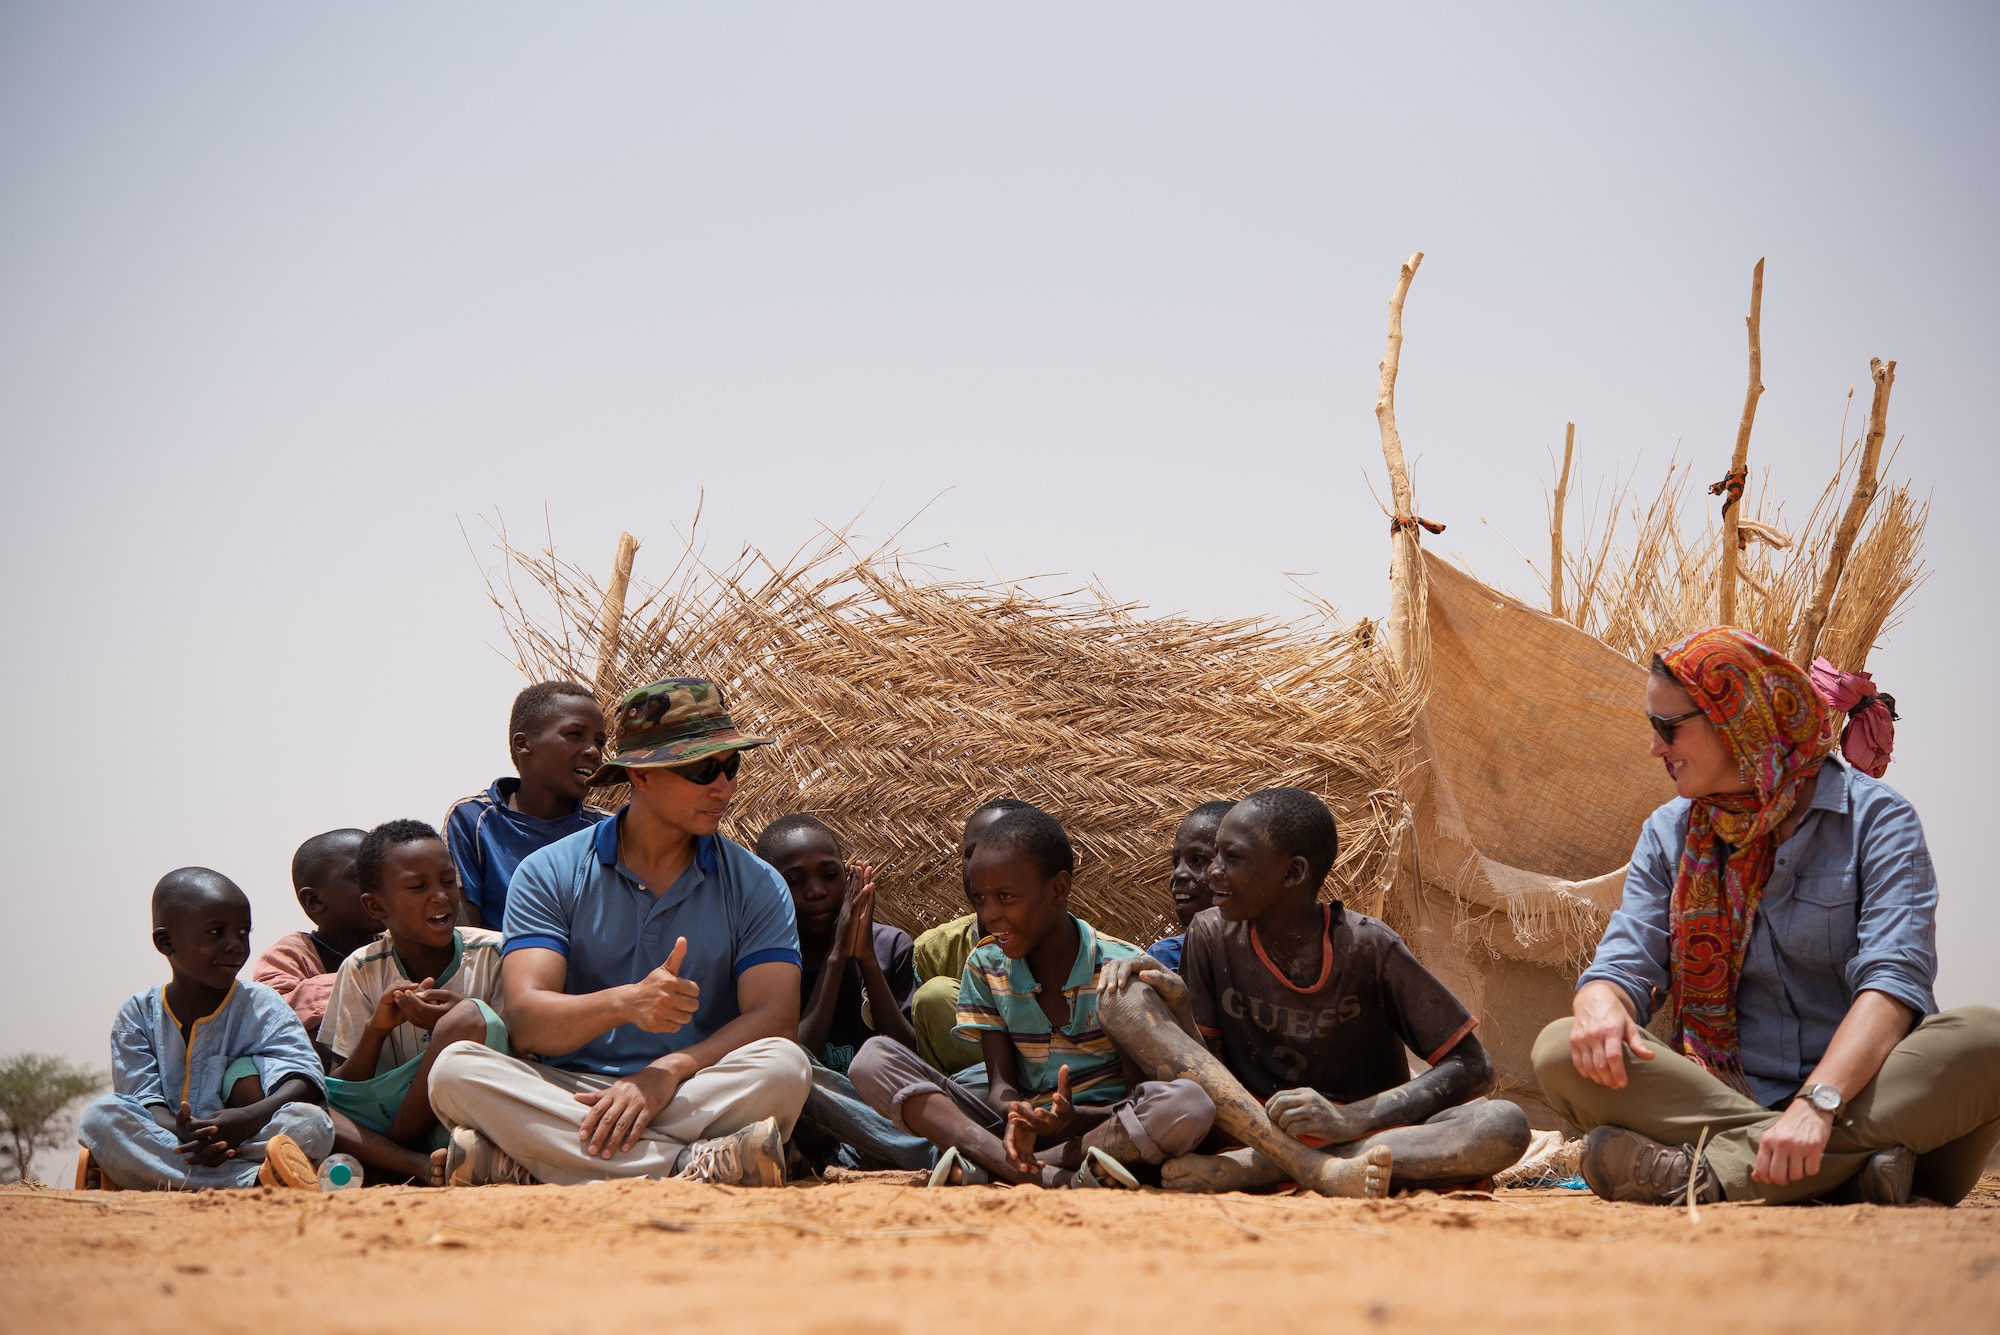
704	772
1667	727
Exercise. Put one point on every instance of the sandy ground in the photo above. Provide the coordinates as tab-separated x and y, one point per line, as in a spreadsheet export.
880	1256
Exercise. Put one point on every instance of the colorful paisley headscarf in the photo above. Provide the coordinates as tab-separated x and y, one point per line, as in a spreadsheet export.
1778	727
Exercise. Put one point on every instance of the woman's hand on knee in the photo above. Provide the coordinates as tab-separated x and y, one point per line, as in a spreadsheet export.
1602	1030
1791	1147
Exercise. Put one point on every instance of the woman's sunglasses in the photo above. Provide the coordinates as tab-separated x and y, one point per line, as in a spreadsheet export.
1667	727
704	772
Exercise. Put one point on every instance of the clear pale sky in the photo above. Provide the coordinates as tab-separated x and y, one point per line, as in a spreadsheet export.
289	293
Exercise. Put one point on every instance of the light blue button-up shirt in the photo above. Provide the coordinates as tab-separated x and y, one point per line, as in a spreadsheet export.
1851	906
152	1063
578	898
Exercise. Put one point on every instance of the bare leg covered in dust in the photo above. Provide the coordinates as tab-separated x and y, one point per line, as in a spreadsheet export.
1140	1022
1461	1145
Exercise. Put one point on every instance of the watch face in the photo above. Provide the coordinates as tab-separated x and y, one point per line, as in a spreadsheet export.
1825	1098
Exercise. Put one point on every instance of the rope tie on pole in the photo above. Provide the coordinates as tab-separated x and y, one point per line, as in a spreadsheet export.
1732	483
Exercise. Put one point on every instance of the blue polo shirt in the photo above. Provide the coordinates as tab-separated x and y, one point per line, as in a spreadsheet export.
576	898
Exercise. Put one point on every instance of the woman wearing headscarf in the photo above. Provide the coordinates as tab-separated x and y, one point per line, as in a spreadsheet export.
1783	908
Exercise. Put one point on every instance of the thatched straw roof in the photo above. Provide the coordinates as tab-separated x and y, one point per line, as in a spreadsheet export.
901	699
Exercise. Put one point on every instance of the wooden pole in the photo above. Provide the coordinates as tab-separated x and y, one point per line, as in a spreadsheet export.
611	620
1807	640
1556	527
1385	397
1404	569
1739	464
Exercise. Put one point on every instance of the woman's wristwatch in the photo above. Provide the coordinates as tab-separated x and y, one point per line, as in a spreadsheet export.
1823	1098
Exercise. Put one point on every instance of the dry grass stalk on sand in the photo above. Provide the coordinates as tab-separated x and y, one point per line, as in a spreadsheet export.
901	700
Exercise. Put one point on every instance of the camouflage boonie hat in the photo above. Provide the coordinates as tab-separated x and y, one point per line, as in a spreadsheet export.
673	722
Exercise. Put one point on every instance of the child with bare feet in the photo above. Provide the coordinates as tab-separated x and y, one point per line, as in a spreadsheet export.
1059	1109
177	1051
397	1004
1194	849
1295	1015
301	967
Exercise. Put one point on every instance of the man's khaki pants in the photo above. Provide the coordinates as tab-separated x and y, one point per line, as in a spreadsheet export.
1938	1094
531	1111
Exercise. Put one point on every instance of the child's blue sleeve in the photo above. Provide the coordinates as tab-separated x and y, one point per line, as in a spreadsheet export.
135	1062
461	836
279	1044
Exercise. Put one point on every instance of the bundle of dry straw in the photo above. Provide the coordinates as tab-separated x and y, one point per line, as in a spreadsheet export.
900	700
1643	577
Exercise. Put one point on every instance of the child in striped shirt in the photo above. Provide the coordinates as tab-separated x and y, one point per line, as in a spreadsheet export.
426	984
1060	1107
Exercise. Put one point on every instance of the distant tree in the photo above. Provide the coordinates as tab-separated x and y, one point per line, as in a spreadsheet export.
36	1089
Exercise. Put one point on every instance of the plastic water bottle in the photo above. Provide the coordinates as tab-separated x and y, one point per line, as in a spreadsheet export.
339	1172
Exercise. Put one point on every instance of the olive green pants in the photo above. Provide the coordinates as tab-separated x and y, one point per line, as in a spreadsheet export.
1938	1094
933	1012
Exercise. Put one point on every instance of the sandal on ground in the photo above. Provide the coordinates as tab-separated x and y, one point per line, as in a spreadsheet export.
90	1176
1101	1170
286	1165
970	1173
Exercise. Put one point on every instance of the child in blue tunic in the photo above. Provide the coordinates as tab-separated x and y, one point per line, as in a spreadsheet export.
178	1050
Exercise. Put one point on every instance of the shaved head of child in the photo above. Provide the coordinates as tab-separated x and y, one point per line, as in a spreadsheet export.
982	819
327	882
201	923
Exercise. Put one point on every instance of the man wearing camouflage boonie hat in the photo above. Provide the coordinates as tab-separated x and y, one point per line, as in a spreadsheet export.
653	965
669	723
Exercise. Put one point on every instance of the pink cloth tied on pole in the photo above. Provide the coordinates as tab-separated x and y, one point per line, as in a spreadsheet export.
1869	738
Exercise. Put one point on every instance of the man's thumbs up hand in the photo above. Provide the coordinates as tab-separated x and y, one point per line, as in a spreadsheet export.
663	1001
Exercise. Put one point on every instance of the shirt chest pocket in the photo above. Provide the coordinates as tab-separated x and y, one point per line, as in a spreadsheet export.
1821	924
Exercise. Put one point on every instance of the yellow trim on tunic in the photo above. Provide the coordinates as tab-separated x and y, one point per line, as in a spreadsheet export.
187	1057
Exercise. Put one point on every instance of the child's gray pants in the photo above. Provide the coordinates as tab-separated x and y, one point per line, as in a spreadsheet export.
137	1152
1164	1118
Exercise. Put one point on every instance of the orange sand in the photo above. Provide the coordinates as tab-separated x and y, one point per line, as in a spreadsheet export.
873	1254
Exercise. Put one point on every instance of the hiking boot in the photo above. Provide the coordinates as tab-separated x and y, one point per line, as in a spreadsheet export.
753	1157
1884	1179
1623	1165
286	1165
471	1160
